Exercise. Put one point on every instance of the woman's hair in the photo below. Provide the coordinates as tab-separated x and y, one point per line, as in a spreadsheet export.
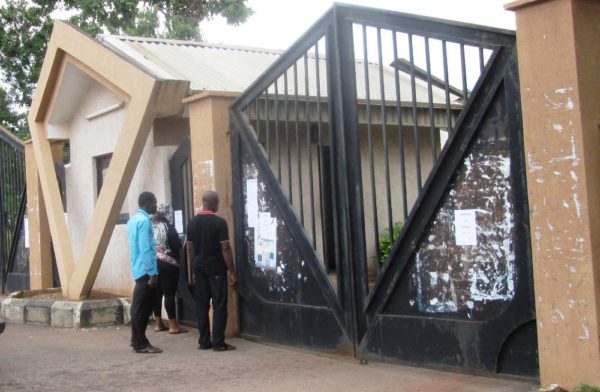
159	217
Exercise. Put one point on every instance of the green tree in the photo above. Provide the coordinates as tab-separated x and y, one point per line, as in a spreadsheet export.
12	119
27	25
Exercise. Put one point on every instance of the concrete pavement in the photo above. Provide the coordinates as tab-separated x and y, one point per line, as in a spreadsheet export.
34	358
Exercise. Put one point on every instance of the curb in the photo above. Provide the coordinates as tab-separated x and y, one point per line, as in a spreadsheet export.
67	314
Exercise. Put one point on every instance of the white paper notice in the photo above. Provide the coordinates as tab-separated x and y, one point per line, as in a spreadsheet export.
465	227
26	228
252	202
265	241
179	221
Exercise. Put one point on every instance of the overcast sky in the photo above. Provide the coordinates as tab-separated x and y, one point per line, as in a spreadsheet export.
276	24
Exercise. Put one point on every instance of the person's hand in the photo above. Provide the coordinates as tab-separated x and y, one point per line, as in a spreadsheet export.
153	281
233	280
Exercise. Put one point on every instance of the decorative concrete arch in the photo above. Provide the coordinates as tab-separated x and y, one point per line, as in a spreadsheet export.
145	98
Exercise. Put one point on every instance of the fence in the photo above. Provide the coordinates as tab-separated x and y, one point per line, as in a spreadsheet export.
12	200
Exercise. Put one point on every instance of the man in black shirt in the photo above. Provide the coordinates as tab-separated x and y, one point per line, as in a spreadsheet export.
209	250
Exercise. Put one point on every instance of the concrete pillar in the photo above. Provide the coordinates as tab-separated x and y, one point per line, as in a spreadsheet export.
558	45
40	242
211	165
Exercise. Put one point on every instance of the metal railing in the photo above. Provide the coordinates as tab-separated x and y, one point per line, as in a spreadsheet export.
12	199
394	85
290	117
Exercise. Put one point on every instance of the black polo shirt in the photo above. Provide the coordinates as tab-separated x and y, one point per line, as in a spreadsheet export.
207	232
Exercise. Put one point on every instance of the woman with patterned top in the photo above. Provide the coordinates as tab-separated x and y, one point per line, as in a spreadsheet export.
168	245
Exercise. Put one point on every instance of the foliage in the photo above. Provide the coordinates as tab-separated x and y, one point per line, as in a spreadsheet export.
585	388
27	25
10	119
386	241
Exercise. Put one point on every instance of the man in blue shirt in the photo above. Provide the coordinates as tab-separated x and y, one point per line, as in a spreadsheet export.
144	271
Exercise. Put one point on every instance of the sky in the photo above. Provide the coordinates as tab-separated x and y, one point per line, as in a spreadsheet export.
276	24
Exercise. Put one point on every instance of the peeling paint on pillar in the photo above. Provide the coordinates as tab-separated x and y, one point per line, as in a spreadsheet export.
560	166
204	177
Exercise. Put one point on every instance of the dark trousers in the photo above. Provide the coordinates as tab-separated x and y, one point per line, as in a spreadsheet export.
141	308
168	277
211	287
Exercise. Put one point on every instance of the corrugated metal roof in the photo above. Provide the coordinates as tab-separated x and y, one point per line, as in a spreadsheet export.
218	67
206	66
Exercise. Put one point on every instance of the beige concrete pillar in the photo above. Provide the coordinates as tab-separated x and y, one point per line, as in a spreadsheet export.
40	242
558	45
211	165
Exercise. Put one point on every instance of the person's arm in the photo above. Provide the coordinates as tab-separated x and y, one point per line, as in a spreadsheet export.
148	251
228	258
223	236
189	246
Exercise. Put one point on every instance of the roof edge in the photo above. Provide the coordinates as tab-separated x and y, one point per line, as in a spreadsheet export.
103	37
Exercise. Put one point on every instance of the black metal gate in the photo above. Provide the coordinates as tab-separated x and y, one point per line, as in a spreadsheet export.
12	201
182	196
380	195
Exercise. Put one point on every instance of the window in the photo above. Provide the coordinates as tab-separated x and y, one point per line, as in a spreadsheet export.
102	162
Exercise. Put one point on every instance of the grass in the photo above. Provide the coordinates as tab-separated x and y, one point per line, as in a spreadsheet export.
585	388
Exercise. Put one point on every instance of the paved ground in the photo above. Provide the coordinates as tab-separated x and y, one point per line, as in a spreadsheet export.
50	359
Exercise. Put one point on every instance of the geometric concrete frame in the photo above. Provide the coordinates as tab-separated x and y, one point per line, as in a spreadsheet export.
145	98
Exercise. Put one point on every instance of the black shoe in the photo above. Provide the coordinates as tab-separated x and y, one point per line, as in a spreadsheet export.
201	347
224	347
150	349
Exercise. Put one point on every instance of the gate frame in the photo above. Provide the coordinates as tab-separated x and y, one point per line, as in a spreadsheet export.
357	302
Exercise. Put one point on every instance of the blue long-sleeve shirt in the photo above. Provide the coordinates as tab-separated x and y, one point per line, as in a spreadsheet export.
141	245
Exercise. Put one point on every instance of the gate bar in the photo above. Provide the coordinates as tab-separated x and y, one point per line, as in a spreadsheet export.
388	193
287	135
370	140
309	146
299	159
430	100
400	131
463	70
278	146
414	113
449	124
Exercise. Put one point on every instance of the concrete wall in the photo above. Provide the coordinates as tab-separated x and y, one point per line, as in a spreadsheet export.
96	137
559	59
40	243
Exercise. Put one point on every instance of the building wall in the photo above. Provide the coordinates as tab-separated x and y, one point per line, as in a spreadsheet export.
561	117
96	137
